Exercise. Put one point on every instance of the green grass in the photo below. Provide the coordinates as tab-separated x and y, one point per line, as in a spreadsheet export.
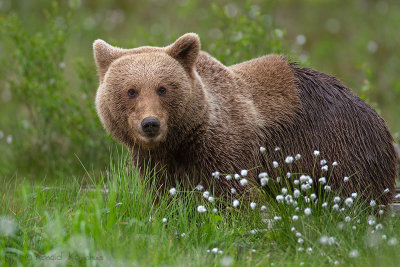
117	220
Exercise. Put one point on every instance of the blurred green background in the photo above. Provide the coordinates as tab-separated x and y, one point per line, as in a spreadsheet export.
48	124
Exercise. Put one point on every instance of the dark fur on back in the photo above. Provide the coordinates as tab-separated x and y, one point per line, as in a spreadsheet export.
345	129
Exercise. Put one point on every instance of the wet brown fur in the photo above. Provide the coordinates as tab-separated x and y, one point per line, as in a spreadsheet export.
216	117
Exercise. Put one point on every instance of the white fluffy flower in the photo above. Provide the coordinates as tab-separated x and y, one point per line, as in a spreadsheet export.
347	219
277	148
244	182
296	193
211	199
335	207
296	182
327	188
295	217
313	196
277	218
397	196
372	203
206	194
264	181
263	207
346	179
214	210
307	211
215	175
275	164
386	191
164	220
316	153
297	157
228	177
233	190
284	190
279	198
300	240
289	159
334	164
322	162
349	202
253	205
235	203
199	187
354	253
354	195
322	180
262	149
201	209
172	191
244	172
263	175
324	168
237	176
288	175
325	204
336	199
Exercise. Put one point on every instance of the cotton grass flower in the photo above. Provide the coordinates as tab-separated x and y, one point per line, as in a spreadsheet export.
215	175
277	218
201	209
307	211
199	187
324	168
253	205
316	153
233	190
372	203
335	207
346	179
397	196
295	217
349	202
289	160
279	198
164	220
354	195
244	182
288	175
324	205
262	175
206	194
354	253
297	157
296	193
228	177
172	191
214	210
275	164
277	148
263	208
327	188
262	149
392	241
386	191
235	203
237	176
322	162
336	199
284	190
244	173
211	199
300	240
322	180
264	181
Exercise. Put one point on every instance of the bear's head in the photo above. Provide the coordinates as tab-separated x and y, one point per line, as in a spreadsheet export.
145	91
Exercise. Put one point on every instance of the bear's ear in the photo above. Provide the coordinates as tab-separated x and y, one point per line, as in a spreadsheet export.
104	55
185	50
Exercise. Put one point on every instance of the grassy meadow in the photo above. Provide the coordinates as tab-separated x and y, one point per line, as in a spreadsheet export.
66	195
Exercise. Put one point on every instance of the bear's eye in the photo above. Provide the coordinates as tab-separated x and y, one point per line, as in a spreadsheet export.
132	93
161	91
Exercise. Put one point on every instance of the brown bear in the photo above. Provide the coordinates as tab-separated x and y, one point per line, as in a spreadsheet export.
192	115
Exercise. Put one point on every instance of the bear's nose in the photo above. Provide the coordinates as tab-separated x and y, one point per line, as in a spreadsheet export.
150	126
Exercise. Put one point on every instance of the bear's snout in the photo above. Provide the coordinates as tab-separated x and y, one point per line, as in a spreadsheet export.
150	126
